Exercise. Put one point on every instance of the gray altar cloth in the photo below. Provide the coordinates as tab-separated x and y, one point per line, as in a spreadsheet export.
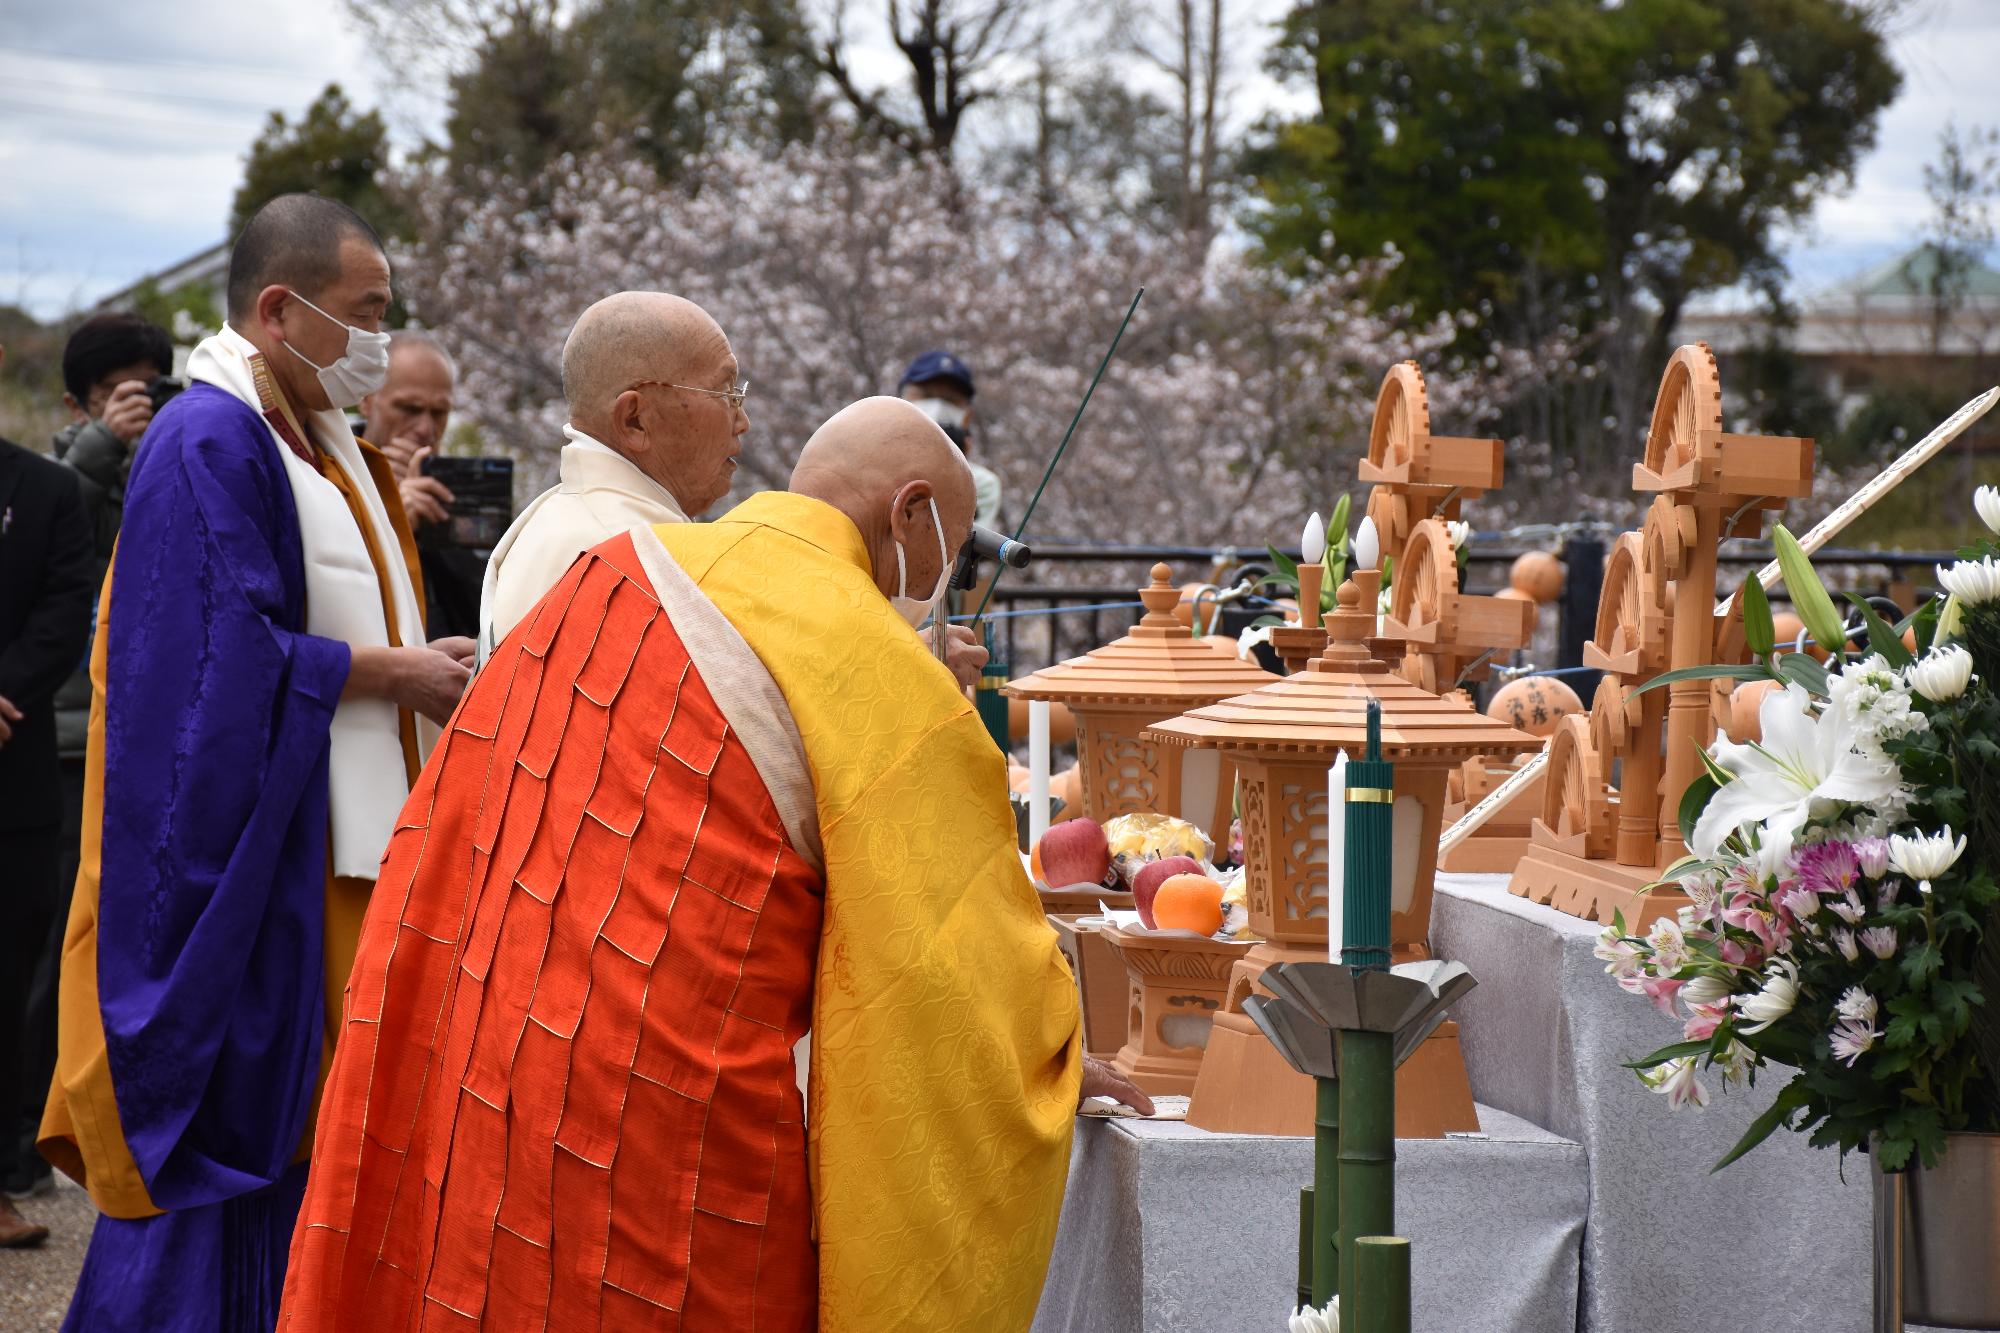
1170	1229
1775	1243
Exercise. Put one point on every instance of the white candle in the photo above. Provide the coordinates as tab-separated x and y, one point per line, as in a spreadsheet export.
1336	852
1038	770
1312	542
1367	545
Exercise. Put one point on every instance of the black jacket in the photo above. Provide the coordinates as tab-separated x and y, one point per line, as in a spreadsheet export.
101	463
45	599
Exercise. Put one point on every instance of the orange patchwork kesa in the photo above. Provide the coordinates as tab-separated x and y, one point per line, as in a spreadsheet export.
565	1095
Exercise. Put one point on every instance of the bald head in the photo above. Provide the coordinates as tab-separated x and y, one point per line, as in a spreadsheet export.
882	462
293	241
649	375
629	338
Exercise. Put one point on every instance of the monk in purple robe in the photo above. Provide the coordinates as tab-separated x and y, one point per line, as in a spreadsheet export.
263	699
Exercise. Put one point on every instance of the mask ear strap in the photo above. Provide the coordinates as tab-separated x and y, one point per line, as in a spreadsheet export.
902	574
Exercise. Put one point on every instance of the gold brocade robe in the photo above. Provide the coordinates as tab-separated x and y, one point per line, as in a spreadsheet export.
946	1050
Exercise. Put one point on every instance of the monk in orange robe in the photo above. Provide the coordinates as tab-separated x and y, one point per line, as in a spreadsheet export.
711	792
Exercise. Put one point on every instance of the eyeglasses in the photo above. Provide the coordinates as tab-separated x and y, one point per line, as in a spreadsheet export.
734	397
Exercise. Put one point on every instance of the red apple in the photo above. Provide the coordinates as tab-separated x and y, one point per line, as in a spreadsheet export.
1152	875
1074	852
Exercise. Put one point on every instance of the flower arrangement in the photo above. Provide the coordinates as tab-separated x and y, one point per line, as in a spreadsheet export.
1841	877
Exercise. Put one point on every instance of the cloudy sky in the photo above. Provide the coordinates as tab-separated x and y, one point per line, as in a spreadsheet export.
123	130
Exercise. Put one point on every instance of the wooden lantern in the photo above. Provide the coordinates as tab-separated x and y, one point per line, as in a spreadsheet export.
1117	691
1282	739
1176	986
1596	848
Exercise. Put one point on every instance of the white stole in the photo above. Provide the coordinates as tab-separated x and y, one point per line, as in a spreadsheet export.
369	781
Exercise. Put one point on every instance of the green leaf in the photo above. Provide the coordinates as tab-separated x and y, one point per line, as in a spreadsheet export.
1800	669
1666	1053
1694	800
1283	563
1881	638
1809	596
1718	671
1790	1098
1758	631
1336	527
1713	769
1924	621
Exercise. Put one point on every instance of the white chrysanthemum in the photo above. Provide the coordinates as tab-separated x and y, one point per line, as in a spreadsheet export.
1942	675
1971	581
1771	1003
1925	855
1858	1006
1305	1319
1987	501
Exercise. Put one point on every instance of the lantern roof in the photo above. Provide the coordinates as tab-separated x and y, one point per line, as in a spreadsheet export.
1159	663
1323	710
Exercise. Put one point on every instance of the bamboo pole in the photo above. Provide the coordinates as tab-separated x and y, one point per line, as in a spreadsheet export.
1370	841
1307	1240
1326	1192
1367	1142
1817	536
1382	1285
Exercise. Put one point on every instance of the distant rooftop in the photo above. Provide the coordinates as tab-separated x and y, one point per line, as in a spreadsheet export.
1886	311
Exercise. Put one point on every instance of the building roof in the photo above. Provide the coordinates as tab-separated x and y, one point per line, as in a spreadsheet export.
1888	310
207	266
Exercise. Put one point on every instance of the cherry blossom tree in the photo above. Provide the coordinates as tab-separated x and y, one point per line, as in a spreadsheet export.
1239	399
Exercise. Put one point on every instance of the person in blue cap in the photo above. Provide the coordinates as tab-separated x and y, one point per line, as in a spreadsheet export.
940	384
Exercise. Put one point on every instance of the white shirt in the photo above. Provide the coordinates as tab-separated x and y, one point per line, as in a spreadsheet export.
600	494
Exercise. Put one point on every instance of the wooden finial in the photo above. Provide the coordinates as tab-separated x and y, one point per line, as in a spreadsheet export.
1160	598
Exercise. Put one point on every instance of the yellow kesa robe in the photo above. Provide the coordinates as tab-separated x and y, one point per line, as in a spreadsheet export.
946	1048
80	1131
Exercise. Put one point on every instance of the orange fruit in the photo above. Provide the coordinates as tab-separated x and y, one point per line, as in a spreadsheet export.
1189	902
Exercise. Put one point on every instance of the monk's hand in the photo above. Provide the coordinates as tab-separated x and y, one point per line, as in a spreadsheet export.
425	499
128	411
457	646
9	715
964	654
423	680
1101	1080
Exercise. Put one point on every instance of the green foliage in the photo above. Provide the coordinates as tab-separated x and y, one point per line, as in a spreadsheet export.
1810	598
1560	163
332	149
190	306
1760	633
670	78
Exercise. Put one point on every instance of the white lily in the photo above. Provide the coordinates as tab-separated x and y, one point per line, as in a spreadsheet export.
1801	759
1925	856
1771	1003
1943	674
1971	581
1987	501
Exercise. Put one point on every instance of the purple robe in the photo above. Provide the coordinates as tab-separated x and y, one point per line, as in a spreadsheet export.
214	870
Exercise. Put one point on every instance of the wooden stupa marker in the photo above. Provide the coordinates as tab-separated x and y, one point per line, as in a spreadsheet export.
1595	849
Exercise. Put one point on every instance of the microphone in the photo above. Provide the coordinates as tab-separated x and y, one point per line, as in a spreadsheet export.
990	545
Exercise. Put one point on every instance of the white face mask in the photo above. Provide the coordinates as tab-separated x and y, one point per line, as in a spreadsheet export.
914	609
943	411
361	371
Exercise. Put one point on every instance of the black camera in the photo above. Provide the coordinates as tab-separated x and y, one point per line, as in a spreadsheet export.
162	389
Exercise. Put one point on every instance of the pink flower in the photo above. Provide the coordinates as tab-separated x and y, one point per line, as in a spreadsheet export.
1706	1019
1879	940
1843	940
1850	1039
1848	908
1620	956
1801	902
1738	954
1676	1081
1661	992
1829	867
1872	854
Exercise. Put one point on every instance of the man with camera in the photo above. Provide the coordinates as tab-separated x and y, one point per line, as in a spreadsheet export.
116	372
